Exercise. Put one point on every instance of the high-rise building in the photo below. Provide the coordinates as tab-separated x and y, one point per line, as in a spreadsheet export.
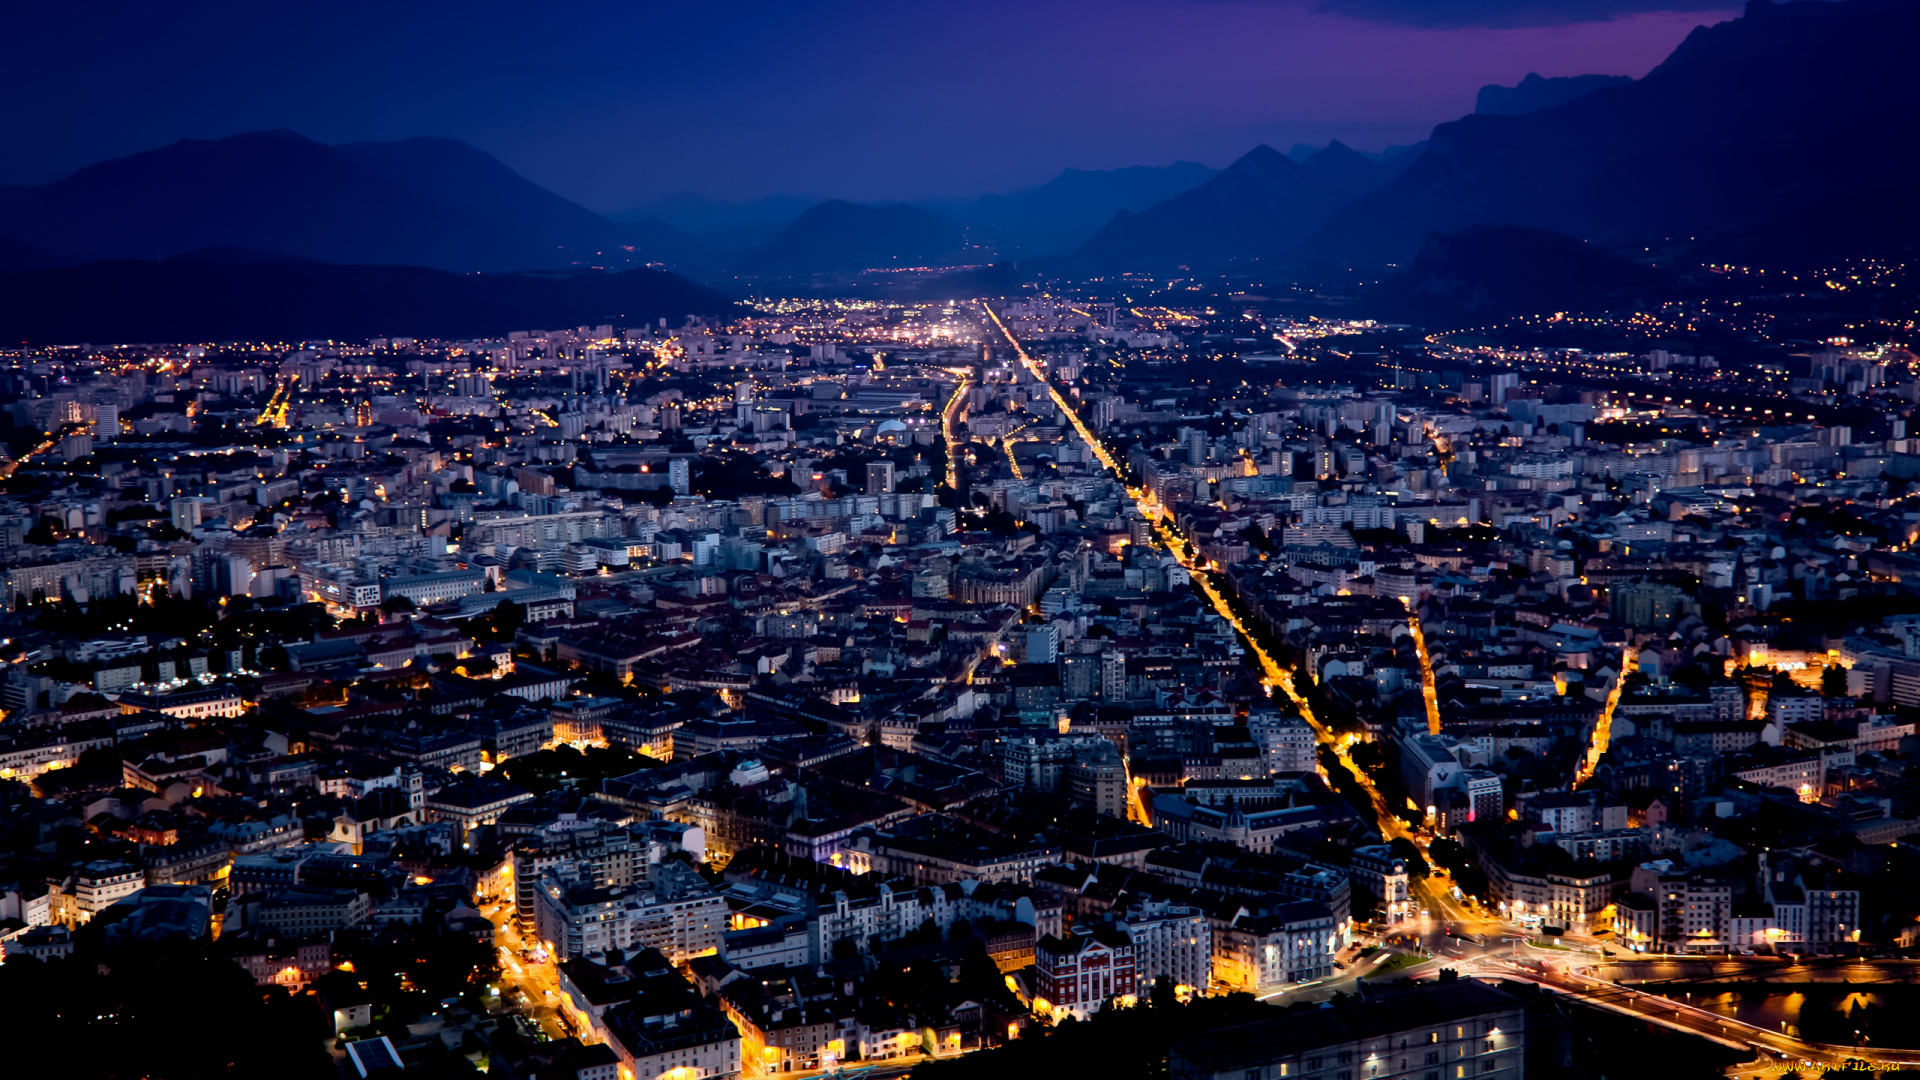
1171	941
1043	644
879	477
186	514
1113	676
1097	781
680	475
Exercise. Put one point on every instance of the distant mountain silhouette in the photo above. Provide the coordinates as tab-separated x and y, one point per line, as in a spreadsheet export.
1494	271
839	237
1746	121
15	255
20	172
1061	214
238	256
697	214
456	174
1535	93
1401	155
1349	174
999	279
187	300
1255	207
424	202
1881	223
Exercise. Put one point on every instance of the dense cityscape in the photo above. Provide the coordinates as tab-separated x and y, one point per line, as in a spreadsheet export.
797	542
864	684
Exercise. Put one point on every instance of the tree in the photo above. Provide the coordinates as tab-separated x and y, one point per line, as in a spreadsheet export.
1833	681
393	605
1163	996
508	617
1409	852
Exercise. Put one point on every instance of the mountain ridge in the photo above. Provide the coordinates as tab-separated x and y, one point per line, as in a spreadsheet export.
838	236
278	190
1493	271
1534	93
1629	163
1260	204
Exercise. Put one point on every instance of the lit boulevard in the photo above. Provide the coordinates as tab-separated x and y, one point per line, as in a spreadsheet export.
1428	689
1272	674
1603	727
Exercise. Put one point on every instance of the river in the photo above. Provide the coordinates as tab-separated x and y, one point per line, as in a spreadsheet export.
1832	1014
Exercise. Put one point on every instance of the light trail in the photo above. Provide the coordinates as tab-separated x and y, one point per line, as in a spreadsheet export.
947	414
1603	727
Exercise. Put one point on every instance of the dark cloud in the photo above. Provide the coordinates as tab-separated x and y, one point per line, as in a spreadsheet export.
1503	14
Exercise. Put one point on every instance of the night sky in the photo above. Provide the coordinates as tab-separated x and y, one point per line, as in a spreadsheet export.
614	104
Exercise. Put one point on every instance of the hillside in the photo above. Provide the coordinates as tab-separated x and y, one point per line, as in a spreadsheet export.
1065	212
844	237
1745	121
424	202
1493	271
1258	205
1534	93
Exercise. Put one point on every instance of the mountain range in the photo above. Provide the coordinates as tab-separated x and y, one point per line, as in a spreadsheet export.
1747	121
1781	133
1534	93
1065	212
1049	219
841	237
1488	272
423	202
1257	207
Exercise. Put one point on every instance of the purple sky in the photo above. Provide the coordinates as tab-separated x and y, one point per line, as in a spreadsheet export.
614	104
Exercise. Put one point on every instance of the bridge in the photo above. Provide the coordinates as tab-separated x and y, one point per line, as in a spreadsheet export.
1690	972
